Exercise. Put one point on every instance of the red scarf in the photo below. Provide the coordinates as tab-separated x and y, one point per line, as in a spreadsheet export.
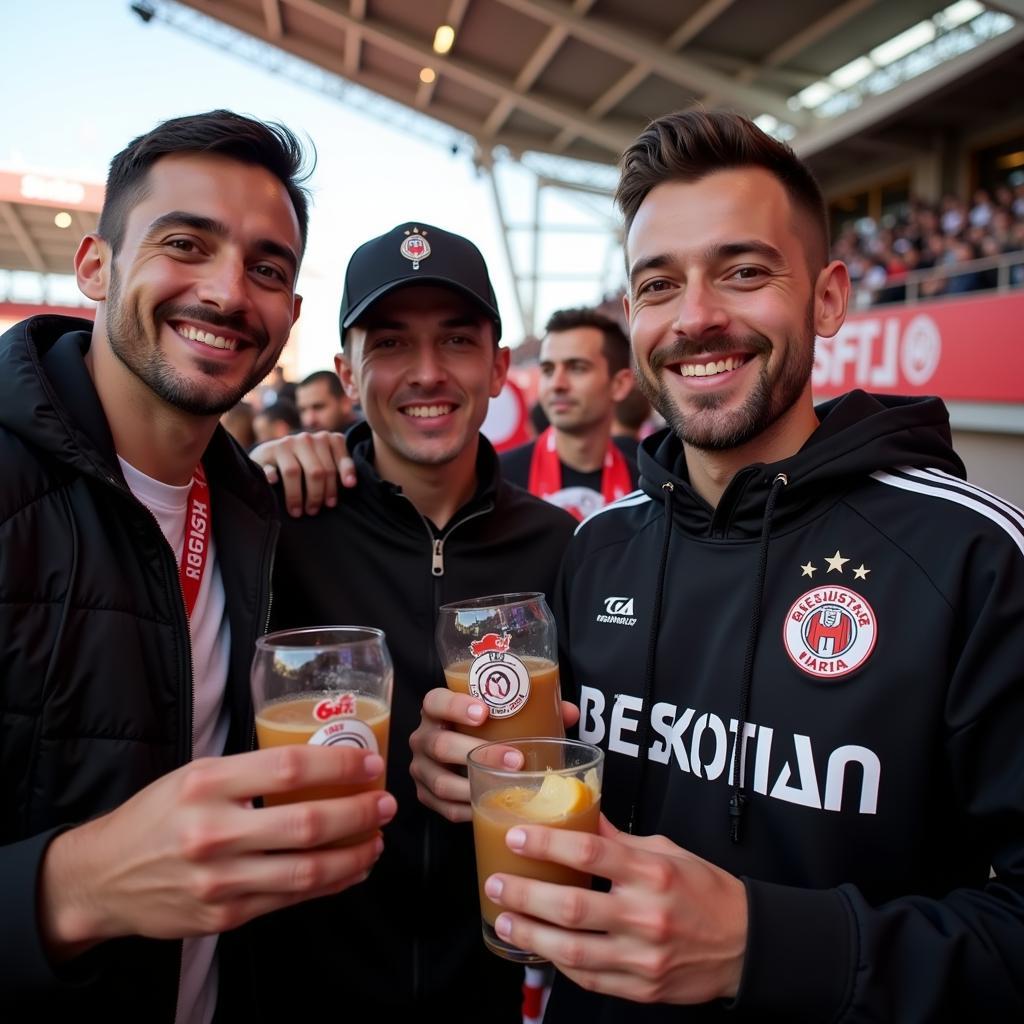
546	472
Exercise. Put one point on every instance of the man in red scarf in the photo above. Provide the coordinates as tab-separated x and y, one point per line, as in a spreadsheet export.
576	463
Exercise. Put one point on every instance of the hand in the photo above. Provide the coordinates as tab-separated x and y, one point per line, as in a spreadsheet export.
190	855
316	460
435	745
673	928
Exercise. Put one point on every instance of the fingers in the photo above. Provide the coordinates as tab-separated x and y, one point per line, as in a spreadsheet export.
567	950
592	854
456	708
570	714
567	906
345	466
276	770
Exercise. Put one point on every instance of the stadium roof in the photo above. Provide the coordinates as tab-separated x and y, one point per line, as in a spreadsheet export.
43	218
580	78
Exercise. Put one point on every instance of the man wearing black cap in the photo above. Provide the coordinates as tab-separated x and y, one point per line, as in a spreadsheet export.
430	520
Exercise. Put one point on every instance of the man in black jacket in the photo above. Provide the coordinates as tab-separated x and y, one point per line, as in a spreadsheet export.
430	520
801	648
135	549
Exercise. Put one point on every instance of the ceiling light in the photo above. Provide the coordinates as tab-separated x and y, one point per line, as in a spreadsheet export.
63	219
427	75
443	38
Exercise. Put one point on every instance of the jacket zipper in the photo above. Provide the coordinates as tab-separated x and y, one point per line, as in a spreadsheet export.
436	571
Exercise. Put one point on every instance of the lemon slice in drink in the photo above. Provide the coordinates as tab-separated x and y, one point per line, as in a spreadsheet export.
558	797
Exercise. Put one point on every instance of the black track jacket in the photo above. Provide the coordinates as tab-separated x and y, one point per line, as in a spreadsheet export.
406	943
880	601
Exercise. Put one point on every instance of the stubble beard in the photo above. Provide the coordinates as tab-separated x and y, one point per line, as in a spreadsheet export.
130	342
710	427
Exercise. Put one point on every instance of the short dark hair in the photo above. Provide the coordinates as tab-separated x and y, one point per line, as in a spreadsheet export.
221	132
689	145
282	411
614	345
328	378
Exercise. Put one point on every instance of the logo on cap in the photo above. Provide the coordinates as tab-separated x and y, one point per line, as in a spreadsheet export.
415	247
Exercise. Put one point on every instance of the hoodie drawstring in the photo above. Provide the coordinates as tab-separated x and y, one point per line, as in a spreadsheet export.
652	644
738	801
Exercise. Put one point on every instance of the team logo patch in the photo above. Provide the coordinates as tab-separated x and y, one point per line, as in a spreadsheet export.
496	677
830	631
415	247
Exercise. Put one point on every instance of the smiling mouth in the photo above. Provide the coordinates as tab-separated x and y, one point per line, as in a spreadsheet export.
207	338
424	412
711	368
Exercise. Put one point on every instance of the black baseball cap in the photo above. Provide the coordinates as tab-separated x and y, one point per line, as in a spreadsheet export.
416	253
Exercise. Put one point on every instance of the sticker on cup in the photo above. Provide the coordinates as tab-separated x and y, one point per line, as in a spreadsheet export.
342	705
347	732
498	678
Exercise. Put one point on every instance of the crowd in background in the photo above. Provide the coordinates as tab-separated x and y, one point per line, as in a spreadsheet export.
923	236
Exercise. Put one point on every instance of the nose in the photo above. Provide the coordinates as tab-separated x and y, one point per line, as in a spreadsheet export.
224	284
558	379
699	309
427	368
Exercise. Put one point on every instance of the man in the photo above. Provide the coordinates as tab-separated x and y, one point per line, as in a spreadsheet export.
323	404
810	689
276	421
430	520
135	545
584	370
631	419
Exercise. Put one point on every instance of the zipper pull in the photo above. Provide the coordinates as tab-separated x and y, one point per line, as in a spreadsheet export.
437	560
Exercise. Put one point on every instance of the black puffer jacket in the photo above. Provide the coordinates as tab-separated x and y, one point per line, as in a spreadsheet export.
95	666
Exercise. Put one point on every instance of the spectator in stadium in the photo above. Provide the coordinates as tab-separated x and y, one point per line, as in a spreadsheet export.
826	804
632	418
429	520
323	404
237	421
277	420
584	370
124	664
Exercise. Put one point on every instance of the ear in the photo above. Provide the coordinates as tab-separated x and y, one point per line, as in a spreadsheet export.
92	267
831	297
499	372
625	305
343	368
296	309
622	384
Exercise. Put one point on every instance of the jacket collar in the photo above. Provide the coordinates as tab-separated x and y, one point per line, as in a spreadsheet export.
388	496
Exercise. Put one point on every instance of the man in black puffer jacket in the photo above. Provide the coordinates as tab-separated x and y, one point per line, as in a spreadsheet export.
127	622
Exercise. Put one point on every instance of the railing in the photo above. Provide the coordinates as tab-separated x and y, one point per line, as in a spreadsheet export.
990	274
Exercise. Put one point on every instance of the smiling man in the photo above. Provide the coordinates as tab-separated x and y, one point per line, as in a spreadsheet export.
135	548
801	648
429	520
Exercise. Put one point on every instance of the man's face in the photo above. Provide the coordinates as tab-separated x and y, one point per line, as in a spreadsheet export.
265	428
201	294
577	390
721	305
423	365
320	409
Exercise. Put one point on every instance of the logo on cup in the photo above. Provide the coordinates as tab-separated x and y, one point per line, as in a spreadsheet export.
344	704
499	679
348	732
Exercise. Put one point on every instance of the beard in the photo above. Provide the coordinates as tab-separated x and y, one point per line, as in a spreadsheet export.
710	427
130	342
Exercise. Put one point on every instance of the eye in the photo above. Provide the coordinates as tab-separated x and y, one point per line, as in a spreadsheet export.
183	245
656	284
747	274
269	271
459	340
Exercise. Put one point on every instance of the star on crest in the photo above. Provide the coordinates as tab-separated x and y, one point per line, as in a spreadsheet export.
808	570
861	573
836	562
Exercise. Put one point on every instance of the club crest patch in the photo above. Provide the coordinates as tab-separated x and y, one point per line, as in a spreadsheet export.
830	631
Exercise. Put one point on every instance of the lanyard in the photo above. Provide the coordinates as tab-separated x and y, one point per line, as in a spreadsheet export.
197	540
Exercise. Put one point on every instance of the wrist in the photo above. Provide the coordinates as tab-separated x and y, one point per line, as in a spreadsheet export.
69	923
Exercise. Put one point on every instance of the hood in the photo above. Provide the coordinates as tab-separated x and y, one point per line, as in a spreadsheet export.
857	434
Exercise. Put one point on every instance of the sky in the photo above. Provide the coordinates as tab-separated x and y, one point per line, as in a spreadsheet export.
83	77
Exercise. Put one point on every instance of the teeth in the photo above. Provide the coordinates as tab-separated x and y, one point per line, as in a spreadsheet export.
427	411
206	338
709	369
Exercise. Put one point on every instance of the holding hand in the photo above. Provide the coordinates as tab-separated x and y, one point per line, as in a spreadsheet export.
672	929
190	855
314	461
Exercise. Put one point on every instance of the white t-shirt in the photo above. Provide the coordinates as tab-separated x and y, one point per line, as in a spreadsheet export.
211	645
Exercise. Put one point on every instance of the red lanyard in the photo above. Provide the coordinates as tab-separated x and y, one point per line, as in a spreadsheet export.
546	471
197	540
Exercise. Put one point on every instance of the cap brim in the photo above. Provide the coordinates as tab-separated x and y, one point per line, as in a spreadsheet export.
404	282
